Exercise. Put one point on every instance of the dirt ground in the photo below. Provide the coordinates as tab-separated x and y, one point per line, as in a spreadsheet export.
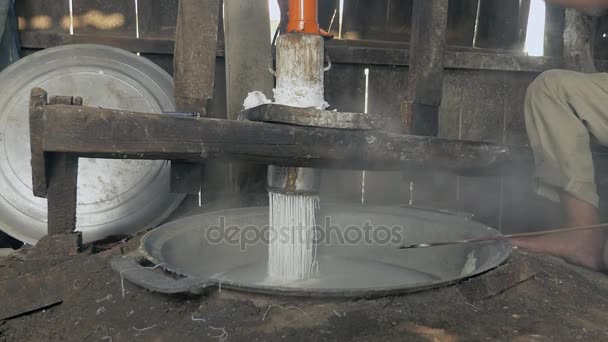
530	298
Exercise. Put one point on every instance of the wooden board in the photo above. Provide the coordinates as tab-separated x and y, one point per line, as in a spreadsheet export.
105	17
482	119
498	25
516	85
387	85
601	38
195	54
450	110
327	9
554	30
483	102
344	90
462	15
31	292
157	18
386	91
377	20
43	15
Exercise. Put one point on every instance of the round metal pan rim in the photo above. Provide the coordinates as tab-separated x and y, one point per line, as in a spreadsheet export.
503	247
23	218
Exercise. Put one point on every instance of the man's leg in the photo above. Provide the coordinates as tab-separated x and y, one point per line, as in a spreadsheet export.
582	248
562	108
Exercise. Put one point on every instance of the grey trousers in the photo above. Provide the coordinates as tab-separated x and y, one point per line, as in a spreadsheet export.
565	111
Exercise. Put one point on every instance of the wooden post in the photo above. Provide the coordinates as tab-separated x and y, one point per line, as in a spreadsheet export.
498	24
38	100
195	53
578	42
524	17
61	196
194	68
248	53
554	30
420	111
248	60
54	175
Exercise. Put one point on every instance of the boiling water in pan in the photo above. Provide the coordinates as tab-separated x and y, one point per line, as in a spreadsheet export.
206	247
333	272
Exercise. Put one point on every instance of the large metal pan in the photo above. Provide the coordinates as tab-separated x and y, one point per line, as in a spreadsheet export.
194	257
114	197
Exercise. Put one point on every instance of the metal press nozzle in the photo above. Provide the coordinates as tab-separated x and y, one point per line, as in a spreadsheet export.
294	180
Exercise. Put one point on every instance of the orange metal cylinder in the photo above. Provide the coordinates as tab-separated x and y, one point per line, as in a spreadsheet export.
303	16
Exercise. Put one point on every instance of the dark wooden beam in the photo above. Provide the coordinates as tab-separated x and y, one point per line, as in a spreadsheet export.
340	51
420	110
44	39
103	133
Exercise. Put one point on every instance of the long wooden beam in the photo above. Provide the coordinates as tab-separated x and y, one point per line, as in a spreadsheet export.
340	51
104	133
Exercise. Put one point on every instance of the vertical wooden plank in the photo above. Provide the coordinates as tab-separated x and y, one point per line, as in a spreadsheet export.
195	54
498	24
516	85
391	20
433	188
579	31
386	91
248	58
450	109
420	111
43	15
601	38
524	16
482	105
377	20
114	18
436	189
327	9
345	87
219	103
387	85
157	18
163	61
216	176
248	51
462	15
61	196
482	119
194	68
344	90
554	30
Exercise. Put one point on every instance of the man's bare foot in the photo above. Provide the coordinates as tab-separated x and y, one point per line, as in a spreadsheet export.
584	248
